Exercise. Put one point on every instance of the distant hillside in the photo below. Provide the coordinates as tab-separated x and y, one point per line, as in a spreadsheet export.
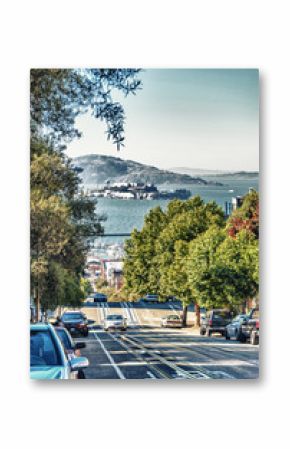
196	171
98	169
215	173
238	175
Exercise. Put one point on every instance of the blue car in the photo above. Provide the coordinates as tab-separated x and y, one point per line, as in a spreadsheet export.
47	356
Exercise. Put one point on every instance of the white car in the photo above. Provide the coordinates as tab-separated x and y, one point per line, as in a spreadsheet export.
115	322
171	321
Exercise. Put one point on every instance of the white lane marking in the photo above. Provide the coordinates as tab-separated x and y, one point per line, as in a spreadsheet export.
112	361
105	309
223	374
142	362
129	312
126	313
133	311
151	375
101	309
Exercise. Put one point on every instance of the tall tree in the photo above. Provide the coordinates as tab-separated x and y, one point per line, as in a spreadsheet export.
223	271
245	217
60	217
161	245
58	96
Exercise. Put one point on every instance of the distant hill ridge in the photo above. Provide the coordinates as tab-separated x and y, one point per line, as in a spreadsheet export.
98	169
215	173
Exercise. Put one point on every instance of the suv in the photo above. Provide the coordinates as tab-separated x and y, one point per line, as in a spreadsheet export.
251	329
215	320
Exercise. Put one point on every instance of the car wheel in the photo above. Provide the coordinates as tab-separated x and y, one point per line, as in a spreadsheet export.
241	337
254	338
208	332
202	331
81	374
227	335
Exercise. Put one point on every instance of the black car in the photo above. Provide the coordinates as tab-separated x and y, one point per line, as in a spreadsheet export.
215	320
100	297
74	322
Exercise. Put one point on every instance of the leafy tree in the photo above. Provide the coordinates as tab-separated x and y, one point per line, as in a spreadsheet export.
245	217
140	269
60	218
223	271
155	256
58	96
86	287
59	222
174	281
60	288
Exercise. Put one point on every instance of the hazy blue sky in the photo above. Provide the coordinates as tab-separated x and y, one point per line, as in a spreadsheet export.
185	118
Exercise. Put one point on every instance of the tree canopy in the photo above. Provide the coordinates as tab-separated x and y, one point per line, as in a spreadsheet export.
189	251
58	96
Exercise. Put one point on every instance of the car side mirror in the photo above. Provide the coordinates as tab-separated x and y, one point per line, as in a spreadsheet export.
79	363
79	345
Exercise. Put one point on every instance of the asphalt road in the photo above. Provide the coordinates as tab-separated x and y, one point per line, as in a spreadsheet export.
151	352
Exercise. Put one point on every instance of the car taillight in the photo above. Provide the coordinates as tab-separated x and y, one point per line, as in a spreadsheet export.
210	322
80	325
257	324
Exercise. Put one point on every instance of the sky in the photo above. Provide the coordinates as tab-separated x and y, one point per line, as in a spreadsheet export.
194	118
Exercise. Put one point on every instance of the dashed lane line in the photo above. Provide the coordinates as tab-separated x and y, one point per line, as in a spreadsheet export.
151	375
112	361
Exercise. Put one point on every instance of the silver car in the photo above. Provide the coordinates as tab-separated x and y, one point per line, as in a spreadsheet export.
171	321
115	322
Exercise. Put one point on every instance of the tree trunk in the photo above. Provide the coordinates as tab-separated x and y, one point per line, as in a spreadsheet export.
38	307
197	314
184	315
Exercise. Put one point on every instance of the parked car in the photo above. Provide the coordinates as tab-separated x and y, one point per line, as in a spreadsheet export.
115	322
75	322
215	320
234	329
251	328
171	321
171	299
149	299
48	359
72	349
100	297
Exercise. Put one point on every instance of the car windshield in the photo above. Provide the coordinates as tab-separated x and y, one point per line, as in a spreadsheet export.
239	317
65	339
173	317
222	314
43	350
255	315
114	317
72	316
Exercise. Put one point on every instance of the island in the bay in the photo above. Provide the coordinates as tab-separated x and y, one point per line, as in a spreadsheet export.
136	191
